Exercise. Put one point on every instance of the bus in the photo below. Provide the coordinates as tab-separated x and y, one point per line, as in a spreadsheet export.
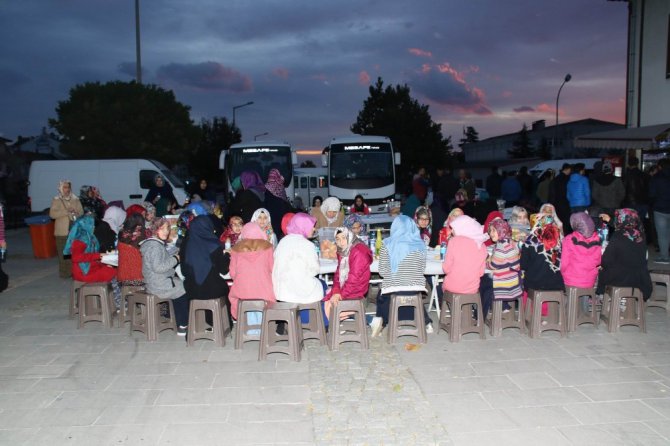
310	182
362	164
259	156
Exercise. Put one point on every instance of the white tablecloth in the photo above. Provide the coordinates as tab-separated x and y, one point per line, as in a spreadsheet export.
433	264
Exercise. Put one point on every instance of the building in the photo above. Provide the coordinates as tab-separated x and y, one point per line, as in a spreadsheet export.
45	145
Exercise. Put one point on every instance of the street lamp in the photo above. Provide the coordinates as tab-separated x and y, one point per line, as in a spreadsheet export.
566	79
240	106
261	134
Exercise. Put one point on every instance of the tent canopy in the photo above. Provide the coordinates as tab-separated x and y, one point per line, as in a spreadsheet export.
646	138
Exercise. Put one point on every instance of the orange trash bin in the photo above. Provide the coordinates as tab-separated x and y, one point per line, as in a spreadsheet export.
43	239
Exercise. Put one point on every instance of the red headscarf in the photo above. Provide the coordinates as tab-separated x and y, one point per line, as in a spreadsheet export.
492	216
135	209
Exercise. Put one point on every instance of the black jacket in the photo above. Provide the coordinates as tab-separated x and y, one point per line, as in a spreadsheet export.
538	275
624	264
244	205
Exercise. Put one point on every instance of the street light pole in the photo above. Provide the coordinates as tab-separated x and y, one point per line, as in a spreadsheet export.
138	60
566	79
260	134
240	106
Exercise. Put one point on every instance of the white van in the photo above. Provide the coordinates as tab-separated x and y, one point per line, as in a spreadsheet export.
556	165
127	180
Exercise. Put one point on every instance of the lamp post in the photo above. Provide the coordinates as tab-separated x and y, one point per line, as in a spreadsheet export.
240	106
566	79
260	134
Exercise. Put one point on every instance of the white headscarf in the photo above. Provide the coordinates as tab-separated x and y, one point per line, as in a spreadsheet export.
114	216
330	204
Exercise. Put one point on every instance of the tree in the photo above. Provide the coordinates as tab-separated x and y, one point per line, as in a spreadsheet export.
470	135
392	112
522	147
215	135
307	163
125	120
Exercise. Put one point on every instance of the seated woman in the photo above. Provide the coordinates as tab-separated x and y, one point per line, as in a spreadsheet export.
205	263
158	269
354	223
352	275
550	210
445	232
107	229
150	213
84	248
402	262
423	219
504	263
465	260
359	206
251	264
520	224
624	262
328	215
581	253
129	271
262	218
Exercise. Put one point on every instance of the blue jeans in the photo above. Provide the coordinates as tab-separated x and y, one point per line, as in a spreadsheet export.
662	222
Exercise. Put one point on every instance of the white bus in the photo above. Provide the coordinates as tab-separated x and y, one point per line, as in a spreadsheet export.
310	182
365	165
259	156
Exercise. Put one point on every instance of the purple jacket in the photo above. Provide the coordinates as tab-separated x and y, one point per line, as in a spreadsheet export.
580	259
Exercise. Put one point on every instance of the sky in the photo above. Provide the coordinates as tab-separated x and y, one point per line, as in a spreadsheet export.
307	65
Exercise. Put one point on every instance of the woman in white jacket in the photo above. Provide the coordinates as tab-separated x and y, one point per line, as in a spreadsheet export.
296	264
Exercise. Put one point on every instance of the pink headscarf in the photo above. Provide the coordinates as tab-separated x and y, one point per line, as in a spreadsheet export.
301	224
275	184
465	226
252	231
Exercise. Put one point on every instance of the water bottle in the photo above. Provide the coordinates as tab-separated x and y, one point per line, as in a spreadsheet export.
373	245
378	243
604	233
227	244
443	250
3	254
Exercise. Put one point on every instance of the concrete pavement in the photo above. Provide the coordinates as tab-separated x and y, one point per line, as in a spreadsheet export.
61	385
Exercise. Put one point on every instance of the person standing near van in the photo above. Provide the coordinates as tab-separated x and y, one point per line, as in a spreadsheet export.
65	209
161	195
558	194
579	191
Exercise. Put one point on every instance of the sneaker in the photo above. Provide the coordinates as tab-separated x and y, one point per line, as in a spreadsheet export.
662	261
429	328
181	330
376	326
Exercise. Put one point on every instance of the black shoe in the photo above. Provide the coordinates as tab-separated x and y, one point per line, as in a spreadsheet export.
281	329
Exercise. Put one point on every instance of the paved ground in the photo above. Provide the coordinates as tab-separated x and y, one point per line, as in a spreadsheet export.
60	385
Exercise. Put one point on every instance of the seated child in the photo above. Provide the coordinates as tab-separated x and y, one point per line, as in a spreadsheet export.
233	230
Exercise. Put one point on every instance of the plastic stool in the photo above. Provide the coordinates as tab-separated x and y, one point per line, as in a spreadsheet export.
664	278
74	297
511	319
92	309
533	315
458	322
148	320
126	292
611	313
242	327
282	312
336	326
220	323
315	328
418	324
576	316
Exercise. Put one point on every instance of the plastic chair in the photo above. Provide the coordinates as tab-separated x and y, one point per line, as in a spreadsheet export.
354	331
575	313
126	292
196	321
95	303
556	319
243	326
511	319
664	278
315	328
281	312
415	327
74	297
148	319
458	322
611	312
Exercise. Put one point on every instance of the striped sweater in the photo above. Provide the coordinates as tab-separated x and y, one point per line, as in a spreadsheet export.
408	277
505	263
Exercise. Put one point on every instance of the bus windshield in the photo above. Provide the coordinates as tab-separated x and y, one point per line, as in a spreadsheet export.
365	165
261	159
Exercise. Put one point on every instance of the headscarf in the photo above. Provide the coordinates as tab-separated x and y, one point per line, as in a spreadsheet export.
301	224
135	209
465	226
251	231
114	216
61	185
268	230
426	232
549	209
82	230
461	196
330	204
202	242
351	219
517	211
502	228
133	231
489	218
582	223
228	233
275	184
403	240
197	209
352	241
252	181
545	239
285	221
149	207
184	222
445	232
627	222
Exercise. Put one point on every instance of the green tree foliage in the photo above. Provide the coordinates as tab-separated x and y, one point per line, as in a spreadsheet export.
125	120
215	135
392	112
522	147
470	135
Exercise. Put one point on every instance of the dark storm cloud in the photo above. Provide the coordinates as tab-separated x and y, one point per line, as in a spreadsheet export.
523	109
205	76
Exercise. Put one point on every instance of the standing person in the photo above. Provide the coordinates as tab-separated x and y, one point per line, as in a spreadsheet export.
542	192
659	193
526	183
558	193
608	191
161	196
204	191
402	262
276	201
446	189
328	215
82	245
511	190
352	275
91	202
465	182
579	191
424	222
250	198
251	265
637	188
65	209
275	184
158	269
494	183
420	184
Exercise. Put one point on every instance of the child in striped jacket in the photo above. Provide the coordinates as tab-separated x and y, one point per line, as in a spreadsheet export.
504	262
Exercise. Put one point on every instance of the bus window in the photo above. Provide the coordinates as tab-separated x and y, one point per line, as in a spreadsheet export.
303	182
312	182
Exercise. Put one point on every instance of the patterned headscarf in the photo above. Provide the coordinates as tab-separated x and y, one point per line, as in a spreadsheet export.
275	184
133	231
352	219
424	211
352	241
150	208
549	209
545	239
582	223
502	228
627	221
82	230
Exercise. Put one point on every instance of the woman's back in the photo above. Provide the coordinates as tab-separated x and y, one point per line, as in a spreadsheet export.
130	263
580	258
251	263
463	265
296	266
409	275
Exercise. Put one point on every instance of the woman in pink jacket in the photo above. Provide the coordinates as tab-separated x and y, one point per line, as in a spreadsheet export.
251	265
581	254
352	275
466	257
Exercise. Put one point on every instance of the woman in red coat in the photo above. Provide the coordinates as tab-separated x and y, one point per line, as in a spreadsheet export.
84	248
352	275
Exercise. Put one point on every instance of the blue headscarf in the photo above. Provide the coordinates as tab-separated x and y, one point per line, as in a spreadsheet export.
404	239
202	242
197	209
82	230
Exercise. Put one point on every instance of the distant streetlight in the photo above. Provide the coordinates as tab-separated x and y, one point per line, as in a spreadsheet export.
566	79
138	54
261	134
240	106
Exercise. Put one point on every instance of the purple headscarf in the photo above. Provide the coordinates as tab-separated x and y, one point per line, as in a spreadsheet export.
581	222
251	180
